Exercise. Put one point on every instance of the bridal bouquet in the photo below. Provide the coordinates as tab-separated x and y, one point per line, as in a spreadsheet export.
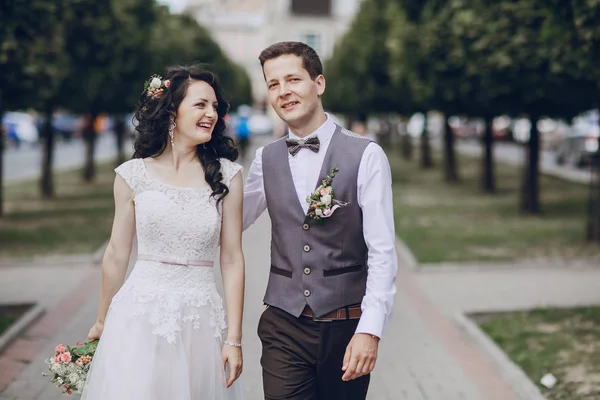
69	366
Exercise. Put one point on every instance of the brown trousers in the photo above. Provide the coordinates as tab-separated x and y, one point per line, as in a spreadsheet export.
302	359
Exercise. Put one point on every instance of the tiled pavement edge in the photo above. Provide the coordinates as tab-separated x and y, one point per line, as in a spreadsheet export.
20	353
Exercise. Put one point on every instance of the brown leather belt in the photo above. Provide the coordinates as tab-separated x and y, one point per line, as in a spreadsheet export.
341	314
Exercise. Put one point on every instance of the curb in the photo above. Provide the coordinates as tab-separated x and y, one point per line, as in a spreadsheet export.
515	265
20	326
34	333
405	256
49	260
59	259
99	254
508	371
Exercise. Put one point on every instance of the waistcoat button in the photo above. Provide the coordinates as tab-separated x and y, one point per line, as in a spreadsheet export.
306	293
306	227
307	270
307	248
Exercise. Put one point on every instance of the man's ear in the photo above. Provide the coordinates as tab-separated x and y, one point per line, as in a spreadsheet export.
320	81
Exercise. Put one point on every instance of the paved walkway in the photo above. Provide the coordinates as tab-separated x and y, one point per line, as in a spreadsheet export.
424	355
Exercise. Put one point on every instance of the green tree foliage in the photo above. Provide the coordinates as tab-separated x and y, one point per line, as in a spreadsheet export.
178	39
360	82
33	64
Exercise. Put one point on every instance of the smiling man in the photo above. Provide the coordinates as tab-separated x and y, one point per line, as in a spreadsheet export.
333	261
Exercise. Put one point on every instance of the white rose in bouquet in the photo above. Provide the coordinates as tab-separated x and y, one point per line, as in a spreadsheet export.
155	83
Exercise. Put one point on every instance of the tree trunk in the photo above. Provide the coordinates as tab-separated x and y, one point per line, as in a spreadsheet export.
593	220
2	144
46	181
450	168
89	137
488	177
384	136
426	160
120	138
530	190
405	140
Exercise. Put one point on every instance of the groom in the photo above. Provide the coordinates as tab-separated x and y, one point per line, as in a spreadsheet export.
333	267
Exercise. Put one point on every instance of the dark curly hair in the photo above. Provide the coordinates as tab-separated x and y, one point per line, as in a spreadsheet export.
153	114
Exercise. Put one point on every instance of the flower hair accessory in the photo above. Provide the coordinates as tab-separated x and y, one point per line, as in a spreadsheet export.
155	86
321	203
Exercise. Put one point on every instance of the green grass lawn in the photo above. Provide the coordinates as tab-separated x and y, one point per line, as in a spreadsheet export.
78	220
440	222
565	343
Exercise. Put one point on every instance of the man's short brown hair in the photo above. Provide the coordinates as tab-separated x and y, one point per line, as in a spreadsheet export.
310	59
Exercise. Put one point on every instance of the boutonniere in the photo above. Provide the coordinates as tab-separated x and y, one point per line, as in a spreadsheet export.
321	203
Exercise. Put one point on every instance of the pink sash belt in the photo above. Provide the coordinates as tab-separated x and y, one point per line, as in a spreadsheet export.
177	260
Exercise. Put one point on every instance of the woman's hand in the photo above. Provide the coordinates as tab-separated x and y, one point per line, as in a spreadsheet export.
96	331
233	356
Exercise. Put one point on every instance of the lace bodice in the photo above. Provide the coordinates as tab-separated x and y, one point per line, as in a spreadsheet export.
175	221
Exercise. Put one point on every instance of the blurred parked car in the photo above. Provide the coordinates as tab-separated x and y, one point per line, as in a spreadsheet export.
501	128
576	149
260	124
20	128
464	128
551	131
67	126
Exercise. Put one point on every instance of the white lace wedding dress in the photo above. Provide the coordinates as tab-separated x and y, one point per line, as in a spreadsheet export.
164	330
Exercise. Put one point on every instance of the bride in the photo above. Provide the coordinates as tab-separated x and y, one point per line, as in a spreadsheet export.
162	330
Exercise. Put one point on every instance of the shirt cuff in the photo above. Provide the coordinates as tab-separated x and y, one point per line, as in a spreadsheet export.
372	322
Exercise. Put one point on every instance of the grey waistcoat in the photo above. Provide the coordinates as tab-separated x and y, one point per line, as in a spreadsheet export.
319	263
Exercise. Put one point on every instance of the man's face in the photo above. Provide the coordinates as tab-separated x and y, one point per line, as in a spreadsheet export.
294	96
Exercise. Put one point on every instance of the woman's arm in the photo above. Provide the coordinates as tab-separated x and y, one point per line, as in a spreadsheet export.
232	271
116	256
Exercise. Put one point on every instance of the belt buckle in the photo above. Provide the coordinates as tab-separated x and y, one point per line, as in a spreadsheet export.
317	319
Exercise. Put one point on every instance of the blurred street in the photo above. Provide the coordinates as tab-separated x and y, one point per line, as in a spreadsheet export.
515	154
24	163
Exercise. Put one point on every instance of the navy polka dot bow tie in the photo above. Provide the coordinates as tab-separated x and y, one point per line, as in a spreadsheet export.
294	145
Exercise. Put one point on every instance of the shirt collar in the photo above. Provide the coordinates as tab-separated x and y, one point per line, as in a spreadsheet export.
324	132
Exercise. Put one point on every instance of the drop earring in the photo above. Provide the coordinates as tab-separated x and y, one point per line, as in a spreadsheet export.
172	126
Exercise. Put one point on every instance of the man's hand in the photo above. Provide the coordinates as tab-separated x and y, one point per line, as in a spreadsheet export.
360	357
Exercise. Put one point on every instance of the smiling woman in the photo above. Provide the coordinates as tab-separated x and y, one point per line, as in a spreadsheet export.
185	109
165	331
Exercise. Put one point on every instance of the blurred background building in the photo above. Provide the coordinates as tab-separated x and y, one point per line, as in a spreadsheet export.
245	27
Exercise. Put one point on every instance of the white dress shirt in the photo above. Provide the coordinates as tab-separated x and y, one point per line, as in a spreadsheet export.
375	200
